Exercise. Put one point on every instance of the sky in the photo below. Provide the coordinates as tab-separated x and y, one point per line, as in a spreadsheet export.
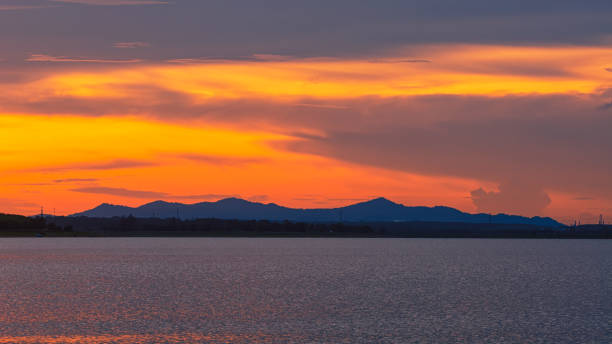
479	105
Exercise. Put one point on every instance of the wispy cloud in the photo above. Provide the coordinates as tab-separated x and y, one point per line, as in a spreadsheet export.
271	57
202	197
221	160
110	165
583	198
83	2
50	58
9	202
131	45
194	60
399	61
23	7
34	184
248	58
322	106
258	198
609	70
75	180
114	2
120	192
123	192
347	199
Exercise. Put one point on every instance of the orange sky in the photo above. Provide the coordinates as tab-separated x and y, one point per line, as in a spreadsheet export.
74	135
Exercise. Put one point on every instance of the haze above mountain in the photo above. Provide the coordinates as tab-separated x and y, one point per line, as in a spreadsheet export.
376	210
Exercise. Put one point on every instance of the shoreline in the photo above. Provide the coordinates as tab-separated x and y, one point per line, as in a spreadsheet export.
300	235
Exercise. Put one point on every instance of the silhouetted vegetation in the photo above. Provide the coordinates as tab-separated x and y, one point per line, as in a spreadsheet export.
14	225
12	222
154	226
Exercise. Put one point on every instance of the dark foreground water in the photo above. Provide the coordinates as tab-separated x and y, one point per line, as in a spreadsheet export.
201	290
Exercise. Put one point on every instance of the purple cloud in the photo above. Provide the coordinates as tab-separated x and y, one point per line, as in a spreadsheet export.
120	192
50	58
76	180
512	198
258	198
114	2
123	192
131	45
203	197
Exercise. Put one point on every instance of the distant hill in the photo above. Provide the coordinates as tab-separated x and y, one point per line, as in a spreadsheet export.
376	210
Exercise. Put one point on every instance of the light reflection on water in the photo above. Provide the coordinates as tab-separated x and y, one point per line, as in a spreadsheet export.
131	339
212	290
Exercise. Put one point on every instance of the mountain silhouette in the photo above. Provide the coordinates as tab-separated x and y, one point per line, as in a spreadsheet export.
376	210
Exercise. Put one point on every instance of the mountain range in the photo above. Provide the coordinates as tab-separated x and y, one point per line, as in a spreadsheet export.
376	210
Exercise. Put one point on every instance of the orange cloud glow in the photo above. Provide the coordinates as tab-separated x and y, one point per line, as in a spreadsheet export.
108	132
465	70
159	159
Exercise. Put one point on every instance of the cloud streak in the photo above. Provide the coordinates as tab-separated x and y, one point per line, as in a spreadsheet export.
142	194
221	160
76	180
120	192
110	165
131	45
583	198
49	58
114	2
23	7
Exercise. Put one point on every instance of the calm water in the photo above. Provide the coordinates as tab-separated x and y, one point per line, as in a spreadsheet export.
159	290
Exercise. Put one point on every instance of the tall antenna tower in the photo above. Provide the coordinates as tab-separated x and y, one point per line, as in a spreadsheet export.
601	220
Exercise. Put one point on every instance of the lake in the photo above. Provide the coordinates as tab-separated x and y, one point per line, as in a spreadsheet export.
304	290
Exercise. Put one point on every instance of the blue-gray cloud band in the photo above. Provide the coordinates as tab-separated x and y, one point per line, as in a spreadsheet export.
194	28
